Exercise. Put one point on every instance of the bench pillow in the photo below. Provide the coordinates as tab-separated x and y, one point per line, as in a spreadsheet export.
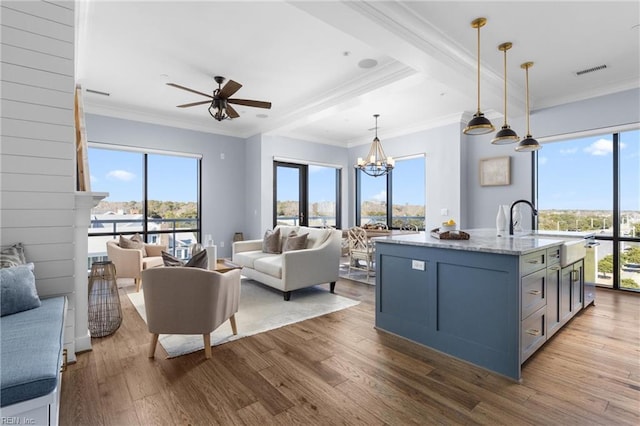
18	289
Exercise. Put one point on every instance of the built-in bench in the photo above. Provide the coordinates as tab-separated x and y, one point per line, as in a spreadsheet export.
31	358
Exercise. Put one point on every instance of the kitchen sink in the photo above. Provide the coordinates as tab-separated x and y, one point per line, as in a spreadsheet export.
571	251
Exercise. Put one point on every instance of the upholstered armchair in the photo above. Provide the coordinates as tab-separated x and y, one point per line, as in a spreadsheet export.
130	263
186	300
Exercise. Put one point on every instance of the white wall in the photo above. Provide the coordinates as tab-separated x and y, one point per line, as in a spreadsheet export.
603	112
37	154
223	180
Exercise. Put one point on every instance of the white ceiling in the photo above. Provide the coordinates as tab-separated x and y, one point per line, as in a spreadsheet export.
303	57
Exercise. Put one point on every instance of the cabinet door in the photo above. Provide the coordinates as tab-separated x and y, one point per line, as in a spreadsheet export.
553	300
565	293
576	287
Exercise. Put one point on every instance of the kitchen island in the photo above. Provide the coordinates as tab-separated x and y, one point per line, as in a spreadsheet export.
489	300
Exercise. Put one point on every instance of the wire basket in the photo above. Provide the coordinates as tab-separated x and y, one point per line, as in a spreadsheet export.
105	312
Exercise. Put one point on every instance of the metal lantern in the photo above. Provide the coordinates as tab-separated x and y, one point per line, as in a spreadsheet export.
105	312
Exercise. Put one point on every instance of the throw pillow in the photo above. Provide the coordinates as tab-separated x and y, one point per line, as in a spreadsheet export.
12	256
297	242
198	260
170	260
134	242
18	289
271	242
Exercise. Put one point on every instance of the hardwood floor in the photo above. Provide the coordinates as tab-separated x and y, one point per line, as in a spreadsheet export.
337	369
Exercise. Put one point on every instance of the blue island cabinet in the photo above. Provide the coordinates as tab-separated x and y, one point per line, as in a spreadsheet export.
464	303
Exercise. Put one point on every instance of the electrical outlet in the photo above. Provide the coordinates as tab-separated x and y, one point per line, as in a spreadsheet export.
417	264
444	212
222	155
221	243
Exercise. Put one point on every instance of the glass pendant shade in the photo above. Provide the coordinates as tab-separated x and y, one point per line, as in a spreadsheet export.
376	163
505	135
528	143
479	124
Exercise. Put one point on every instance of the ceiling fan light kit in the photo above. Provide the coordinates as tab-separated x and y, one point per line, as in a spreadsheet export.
219	104
376	163
479	124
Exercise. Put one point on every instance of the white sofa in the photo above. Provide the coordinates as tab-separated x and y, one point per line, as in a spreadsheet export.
318	263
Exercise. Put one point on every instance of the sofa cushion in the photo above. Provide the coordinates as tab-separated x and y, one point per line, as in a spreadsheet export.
270	265
30	351
18	289
151	262
271	241
247	258
295	242
12	256
134	242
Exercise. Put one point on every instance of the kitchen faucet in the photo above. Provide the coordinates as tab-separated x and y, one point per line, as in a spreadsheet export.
533	210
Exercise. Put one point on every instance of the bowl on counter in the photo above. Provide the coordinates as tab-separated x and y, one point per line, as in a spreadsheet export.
447	228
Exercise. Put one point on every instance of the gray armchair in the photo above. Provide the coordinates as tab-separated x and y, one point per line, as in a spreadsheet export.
185	300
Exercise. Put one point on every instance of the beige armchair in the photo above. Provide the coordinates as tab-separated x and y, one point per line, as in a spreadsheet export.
185	300
130	263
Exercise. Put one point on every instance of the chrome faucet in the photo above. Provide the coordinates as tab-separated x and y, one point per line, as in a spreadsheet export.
533	210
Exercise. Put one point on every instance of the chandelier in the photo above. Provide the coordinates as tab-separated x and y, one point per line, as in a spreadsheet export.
218	107
377	163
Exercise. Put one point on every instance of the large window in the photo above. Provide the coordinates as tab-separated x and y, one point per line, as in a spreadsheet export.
396	199
593	184
306	195
153	194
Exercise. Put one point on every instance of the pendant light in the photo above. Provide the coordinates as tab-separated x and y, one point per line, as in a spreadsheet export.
505	135
377	163
479	124
528	143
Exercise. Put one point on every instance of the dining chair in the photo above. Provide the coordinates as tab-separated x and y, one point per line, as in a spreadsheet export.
360	250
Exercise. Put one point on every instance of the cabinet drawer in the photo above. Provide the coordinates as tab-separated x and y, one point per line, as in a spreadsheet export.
553	255
532	333
533	262
534	292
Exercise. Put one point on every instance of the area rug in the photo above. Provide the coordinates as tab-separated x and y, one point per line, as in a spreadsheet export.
261	309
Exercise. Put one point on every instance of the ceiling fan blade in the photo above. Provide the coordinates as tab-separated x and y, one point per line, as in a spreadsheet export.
189	90
229	89
193	104
248	102
232	113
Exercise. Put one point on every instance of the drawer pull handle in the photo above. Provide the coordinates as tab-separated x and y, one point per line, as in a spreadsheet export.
554	268
533	332
536	292
532	261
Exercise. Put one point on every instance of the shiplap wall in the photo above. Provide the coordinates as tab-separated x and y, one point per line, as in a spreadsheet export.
37	150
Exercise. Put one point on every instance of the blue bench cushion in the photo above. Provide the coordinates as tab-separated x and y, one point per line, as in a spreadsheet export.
30	351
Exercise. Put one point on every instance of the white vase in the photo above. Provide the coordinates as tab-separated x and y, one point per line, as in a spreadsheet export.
517	219
501	219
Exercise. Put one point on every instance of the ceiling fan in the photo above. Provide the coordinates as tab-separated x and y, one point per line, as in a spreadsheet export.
220	108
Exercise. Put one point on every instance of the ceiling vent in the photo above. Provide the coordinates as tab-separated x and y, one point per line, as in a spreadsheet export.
588	70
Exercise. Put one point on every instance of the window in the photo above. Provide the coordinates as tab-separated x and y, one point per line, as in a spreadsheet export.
155	195
403	189
306	195
593	184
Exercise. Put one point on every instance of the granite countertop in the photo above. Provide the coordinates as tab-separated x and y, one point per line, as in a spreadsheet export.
485	240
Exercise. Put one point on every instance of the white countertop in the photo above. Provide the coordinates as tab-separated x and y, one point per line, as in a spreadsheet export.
486	240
